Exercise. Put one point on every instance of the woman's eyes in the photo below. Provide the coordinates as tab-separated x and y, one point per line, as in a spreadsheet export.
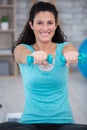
50	23
41	23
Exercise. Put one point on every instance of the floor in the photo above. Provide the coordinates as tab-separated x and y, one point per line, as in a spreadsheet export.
12	96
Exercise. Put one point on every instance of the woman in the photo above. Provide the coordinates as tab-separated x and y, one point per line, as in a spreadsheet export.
45	85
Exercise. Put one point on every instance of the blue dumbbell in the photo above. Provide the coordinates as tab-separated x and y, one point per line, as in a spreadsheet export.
30	59
81	58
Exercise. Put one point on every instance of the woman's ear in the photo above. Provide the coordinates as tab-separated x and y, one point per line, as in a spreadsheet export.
56	25
59	23
31	25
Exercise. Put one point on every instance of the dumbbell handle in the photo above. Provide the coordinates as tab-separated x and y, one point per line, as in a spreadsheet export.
30	59
81	58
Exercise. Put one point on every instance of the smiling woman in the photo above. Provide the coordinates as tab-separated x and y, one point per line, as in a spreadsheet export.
44	26
46	86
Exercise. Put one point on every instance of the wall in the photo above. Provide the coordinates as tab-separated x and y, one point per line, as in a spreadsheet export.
73	17
22	12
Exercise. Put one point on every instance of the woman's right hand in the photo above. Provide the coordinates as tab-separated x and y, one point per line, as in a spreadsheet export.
40	57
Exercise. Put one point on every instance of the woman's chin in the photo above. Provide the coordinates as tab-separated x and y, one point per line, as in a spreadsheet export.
45	40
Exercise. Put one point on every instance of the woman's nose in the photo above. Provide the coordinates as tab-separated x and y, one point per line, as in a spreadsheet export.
45	27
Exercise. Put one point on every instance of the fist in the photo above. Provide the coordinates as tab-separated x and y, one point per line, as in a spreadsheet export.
71	57
40	57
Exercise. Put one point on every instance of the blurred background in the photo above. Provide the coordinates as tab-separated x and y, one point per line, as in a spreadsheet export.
13	16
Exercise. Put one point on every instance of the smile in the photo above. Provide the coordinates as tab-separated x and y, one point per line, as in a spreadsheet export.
45	34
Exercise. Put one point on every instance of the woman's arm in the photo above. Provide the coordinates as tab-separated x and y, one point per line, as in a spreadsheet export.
69	47
20	54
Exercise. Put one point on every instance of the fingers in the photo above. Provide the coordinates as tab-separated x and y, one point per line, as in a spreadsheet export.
71	57
39	57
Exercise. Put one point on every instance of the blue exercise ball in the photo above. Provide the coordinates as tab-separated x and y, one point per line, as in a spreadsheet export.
83	66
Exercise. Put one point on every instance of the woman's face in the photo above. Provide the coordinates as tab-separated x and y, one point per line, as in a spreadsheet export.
44	26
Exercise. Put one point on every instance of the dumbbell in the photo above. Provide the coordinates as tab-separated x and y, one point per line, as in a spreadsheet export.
30	59
81	60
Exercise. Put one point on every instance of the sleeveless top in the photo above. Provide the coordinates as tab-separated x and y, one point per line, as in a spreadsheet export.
46	92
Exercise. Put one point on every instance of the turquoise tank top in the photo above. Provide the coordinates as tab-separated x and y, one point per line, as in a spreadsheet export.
46	92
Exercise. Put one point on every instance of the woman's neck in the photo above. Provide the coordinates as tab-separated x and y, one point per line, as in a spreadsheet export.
43	46
49	48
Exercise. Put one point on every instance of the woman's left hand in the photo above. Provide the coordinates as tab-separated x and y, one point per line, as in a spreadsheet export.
71	57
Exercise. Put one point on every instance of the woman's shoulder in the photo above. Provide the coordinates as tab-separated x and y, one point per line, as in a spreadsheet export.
27	46
62	43
60	46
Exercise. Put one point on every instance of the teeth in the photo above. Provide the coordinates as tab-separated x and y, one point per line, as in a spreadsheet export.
45	34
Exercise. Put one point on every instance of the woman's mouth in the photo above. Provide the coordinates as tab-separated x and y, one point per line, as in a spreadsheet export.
45	33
